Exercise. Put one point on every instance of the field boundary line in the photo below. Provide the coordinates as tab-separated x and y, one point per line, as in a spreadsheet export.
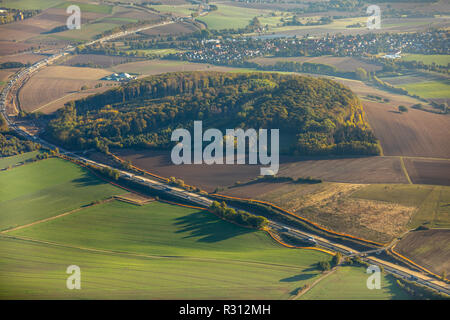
58	216
402	163
302	292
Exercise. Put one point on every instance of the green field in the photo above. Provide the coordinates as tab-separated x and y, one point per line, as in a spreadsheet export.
159	52
440	59
87	31
156	251
30	4
47	188
88	7
183	10
429	89
230	17
349	283
10	161
165	230
432	201
36	271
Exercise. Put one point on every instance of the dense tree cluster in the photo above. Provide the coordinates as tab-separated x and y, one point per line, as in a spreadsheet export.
9	15
11	145
240	217
11	65
323	115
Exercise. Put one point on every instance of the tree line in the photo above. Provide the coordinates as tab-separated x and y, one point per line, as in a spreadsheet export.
239	216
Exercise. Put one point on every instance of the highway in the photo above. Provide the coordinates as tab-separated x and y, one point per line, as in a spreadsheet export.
197	199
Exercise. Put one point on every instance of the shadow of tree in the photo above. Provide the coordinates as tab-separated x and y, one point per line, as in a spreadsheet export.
87	180
299	277
208	228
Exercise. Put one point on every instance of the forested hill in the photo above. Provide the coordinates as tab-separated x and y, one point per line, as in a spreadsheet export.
319	116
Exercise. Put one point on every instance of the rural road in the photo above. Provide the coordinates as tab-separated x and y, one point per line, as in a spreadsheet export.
192	197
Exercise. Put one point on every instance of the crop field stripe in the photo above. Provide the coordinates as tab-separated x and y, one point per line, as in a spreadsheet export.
402	163
145	256
304	219
296	247
413	263
55	217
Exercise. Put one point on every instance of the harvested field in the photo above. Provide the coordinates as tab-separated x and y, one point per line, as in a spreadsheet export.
50	88
40	24
11	47
377	212
353	170
156	66
134	14
342	63
6	73
432	203
429	248
332	206
253	190
208	177
427	171
23	58
97	60
172	29
413	133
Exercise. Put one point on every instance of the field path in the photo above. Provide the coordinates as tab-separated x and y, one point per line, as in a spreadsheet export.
302	292
405	171
55	217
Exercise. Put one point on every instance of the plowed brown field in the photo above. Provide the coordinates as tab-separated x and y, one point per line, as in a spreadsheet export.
413	133
429	248
55	85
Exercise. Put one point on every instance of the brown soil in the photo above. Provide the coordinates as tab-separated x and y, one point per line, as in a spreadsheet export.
421	171
428	248
412	133
50	88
